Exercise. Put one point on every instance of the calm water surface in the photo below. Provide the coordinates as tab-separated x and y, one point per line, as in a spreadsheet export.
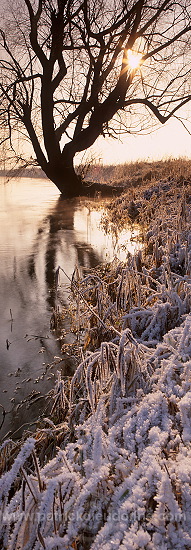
39	231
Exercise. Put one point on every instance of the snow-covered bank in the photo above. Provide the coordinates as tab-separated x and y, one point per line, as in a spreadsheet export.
121	475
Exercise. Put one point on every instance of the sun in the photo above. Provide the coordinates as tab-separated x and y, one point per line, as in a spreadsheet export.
134	59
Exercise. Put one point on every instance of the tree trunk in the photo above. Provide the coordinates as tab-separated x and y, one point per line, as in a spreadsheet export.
65	179
63	175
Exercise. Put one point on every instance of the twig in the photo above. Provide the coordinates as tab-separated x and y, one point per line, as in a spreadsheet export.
4	413
29	484
36	336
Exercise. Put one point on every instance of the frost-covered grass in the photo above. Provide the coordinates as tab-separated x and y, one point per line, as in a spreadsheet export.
120	477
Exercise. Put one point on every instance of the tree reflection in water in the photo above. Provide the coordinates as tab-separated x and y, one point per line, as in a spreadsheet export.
62	242
38	232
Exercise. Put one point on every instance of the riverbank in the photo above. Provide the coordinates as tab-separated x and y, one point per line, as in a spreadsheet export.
110	468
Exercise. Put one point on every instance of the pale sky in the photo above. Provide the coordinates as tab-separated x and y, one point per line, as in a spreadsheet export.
170	140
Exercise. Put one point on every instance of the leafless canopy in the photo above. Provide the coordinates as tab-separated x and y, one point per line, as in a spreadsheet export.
65	76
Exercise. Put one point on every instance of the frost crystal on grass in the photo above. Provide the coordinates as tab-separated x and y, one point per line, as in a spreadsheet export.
121	479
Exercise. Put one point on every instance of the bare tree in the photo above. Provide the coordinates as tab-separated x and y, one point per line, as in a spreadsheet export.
71	70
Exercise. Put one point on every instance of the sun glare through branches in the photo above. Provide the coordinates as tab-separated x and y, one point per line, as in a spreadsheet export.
134	59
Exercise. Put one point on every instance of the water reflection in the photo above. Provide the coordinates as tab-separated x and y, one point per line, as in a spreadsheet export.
58	236
39	231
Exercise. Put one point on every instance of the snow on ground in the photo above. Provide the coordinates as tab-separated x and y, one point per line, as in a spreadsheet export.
123	479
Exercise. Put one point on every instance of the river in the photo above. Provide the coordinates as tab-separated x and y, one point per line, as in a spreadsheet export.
38	232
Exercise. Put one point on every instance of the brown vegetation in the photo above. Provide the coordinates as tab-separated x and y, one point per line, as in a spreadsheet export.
132	174
119	431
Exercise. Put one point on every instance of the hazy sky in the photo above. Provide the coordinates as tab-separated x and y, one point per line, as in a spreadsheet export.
170	140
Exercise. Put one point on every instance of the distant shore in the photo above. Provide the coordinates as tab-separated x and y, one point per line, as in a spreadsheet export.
130	174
